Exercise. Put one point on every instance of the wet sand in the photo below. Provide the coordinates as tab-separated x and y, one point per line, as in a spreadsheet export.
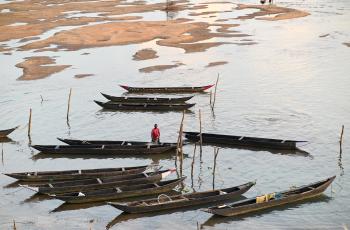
37	67
145	54
158	68
347	44
83	75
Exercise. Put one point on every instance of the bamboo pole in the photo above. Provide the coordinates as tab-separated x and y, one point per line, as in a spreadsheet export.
68	107
341	135
216	152
200	135
30	122
216	86
14	225
2	153
179	140
211	96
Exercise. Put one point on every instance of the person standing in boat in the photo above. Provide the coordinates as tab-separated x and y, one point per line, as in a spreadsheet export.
155	134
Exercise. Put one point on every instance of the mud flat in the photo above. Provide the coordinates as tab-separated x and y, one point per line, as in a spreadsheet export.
37	67
212	64
347	44
280	13
83	75
158	68
145	54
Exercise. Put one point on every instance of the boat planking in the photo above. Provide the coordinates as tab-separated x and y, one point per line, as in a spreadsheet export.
212	138
286	197
143	106
99	183
110	142
120	192
151	100
184	200
51	176
198	89
5	132
102	149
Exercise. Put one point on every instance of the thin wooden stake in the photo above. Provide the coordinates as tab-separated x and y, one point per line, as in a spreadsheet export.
341	135
179	141
2	153
30	122
42	99
200	135
68	108
14	225
216	86
211	95
192	165
216	152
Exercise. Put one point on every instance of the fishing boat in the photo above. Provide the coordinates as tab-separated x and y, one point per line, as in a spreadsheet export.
152	100
99	183
119	192
272	199
5	132
143	106
211	138
109	142
164	202
166	89
102	149
52	176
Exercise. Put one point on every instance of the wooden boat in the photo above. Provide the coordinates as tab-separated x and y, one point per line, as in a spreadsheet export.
148	106
119	192
151	100
242	141
99	183
102	149
272	199
107	142
52	176
5	132
166	89
184	200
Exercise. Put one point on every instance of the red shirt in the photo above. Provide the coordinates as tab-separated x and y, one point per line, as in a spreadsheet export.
155	133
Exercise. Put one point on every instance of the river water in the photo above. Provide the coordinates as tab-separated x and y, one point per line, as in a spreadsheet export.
293	84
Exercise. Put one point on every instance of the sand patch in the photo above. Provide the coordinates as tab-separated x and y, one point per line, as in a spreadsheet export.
29	39
39	67
83	75
4	48
347	44
145	54
212	64
158	68
280	13
208	12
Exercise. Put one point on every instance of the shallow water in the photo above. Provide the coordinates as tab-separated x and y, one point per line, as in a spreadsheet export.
293	84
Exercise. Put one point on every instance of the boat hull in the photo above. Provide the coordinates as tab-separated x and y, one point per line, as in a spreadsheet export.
166	89
152	100
144	107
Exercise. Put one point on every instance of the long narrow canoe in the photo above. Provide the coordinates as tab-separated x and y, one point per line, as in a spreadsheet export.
151	100
166	89
242	141
102	149
148	106
5	132
51	176
119	192
272	200
108	142
185	200
99	183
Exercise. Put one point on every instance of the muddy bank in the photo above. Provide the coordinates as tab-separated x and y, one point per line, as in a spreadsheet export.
83	75
37	67
347	44
145	54
279	13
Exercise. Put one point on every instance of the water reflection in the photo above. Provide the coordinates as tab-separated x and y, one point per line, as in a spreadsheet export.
215	220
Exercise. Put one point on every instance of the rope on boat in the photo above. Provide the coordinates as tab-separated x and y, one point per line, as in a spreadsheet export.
165	196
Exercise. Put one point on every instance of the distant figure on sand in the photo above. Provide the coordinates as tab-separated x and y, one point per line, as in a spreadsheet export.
155	134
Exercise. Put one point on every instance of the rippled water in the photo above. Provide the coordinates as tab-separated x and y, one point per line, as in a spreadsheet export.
293	84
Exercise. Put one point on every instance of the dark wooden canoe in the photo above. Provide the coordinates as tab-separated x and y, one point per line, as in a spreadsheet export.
52	176
99	183
184	200
108	142
5	132
102	149
242	141
119	192
151	100
152	107
281	198
166	89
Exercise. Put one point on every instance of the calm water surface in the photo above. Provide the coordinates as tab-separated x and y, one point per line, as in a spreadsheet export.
293	84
